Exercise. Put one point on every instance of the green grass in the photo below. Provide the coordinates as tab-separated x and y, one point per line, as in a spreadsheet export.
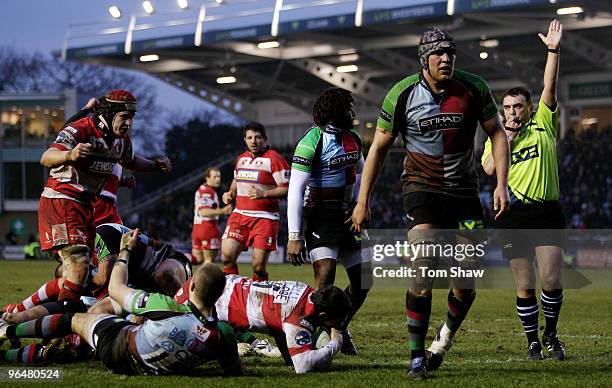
489	351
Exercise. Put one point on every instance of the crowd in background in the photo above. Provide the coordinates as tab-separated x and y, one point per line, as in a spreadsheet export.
585	174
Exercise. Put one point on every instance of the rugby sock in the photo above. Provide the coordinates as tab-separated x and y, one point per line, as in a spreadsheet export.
527	309
49	290
458	309
246	337
51	326
260	277
418	310
233	270
357	298
70	291
26	355
551	307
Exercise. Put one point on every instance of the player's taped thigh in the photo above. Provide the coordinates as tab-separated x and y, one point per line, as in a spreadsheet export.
74	253
423	243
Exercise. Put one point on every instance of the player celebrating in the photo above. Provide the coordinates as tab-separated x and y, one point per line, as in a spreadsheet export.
261	178
105	207
80	160
534	202
328	161
290	311
174	339
437	112
205	235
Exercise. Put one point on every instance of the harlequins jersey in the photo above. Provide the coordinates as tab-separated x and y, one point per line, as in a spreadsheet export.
438	131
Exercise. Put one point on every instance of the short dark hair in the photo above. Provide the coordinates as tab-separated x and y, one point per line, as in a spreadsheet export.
331	105
209	170
256	127
332	301
519	91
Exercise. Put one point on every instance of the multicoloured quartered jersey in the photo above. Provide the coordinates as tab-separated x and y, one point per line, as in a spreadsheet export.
534	175
82	179
175	337
263	172
333	158
144	259
438	131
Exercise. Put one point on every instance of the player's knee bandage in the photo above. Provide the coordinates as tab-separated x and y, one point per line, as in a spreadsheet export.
423	244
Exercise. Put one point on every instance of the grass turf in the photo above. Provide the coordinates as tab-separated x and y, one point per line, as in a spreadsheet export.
490	349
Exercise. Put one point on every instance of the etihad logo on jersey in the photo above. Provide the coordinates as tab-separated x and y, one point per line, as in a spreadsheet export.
525	154
301	161
441	121
344	160
247	175
101	167
385	115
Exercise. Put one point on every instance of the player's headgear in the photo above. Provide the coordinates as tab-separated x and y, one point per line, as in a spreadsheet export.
115	102
434	40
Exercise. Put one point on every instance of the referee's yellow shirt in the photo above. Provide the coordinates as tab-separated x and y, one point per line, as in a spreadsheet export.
534	174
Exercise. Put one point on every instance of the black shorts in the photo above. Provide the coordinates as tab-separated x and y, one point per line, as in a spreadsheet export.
528	226
326	228
112	345
443	211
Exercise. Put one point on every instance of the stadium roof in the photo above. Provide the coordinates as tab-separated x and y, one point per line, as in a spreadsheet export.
196	48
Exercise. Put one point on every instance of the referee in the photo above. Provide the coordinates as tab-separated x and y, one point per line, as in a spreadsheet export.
533	180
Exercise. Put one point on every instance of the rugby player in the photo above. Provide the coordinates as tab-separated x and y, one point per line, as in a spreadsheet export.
327	163
261	178
205	234
437	112
105	207
534	202
174	338
155	267
80	160
290	311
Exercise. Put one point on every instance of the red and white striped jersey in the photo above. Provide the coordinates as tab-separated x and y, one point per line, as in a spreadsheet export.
264	172
205	198
111	187
275	307
81	180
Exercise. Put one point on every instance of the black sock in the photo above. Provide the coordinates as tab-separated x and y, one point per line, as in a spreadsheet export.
527	309
551	307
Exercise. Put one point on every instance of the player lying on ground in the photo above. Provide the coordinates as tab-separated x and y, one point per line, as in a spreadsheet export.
156	267
327	164
290	311
175	338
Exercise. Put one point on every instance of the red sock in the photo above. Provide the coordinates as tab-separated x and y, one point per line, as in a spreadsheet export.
258	278
49	290
233	270
71	291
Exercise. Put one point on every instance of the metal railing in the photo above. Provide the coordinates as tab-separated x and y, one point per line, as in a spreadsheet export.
189	179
